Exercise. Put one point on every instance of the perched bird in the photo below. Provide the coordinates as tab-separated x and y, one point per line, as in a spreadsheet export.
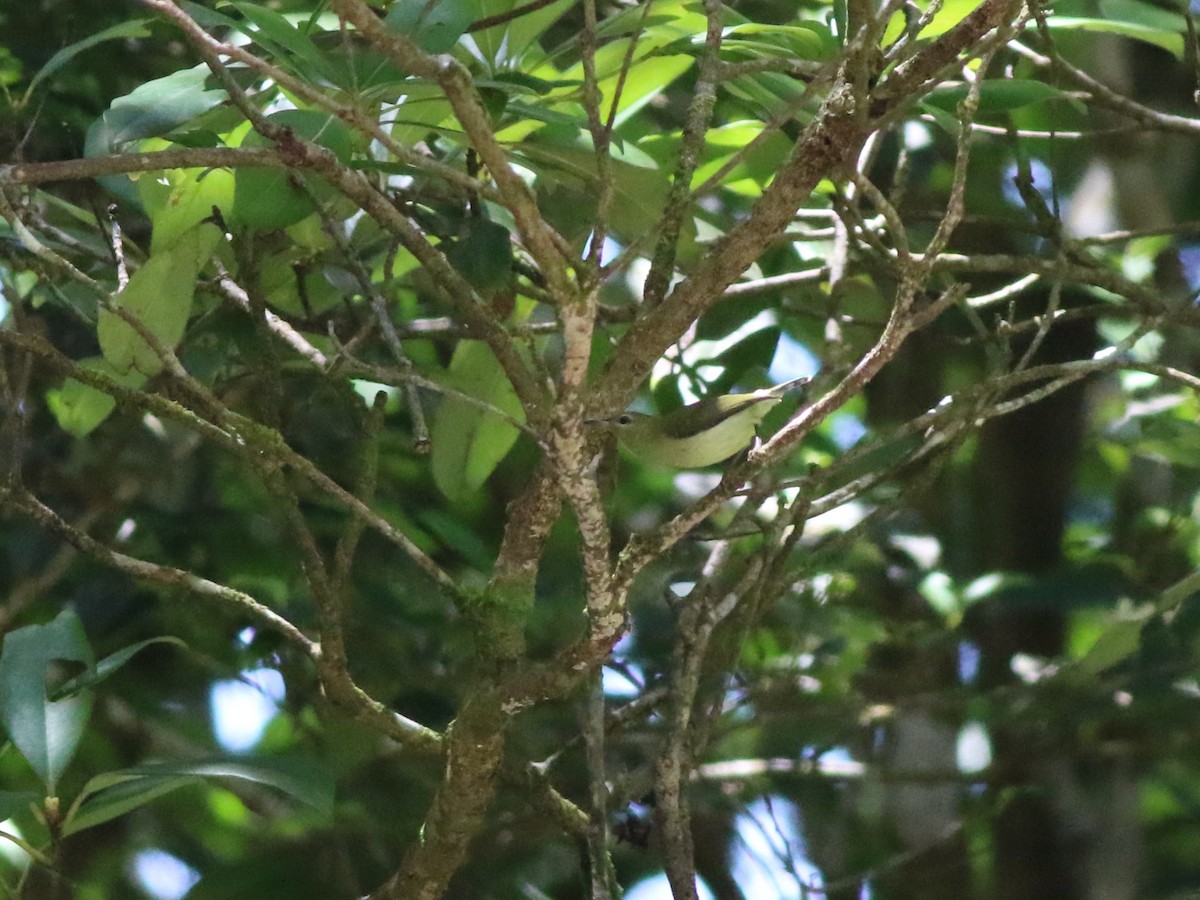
701	433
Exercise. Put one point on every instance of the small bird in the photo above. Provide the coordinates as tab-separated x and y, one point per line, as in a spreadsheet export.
701	433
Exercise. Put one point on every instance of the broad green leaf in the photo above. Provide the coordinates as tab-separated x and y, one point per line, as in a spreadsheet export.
361	69
798	41
179	199
13	803
522	83
1174	439
209	18
945	120
753	170
469	441
115	793
654	63
435	25
291	46
533	116
293	281
350	64
109	665
160	295
416	116
121	797
484	256
152	109
1139	12
951	13
507	43
940	592
635	19
1116	642
996	95
447	525
11	69
639	187
769	94
647	78
79	408
45	731
265	198
1169	39
135	28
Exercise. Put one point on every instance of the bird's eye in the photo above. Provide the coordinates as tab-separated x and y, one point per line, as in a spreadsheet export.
625	419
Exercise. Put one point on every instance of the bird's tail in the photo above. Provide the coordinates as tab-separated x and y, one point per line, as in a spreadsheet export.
796	384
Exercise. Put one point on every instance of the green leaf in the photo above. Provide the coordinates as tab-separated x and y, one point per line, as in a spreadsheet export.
292	282
160	295
639	191
45	731
121	797
152	109
362	69
1117	642
951	13
506	43
1147	15
484	256
135	28
1128	18
435	25
798	41
110	664
647	79
289	45
997	95
179	199
753	170
1174	439
13	803
469	441
114	793
79	408
521	83
416	116
768	94
448	527
266	198
940	592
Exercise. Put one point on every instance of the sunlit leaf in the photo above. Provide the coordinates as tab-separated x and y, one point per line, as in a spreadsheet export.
797	41
80	408
179	199
1118	641
470	441
159	295
950	14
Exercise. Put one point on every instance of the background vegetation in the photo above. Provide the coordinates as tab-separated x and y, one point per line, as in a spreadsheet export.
309	310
